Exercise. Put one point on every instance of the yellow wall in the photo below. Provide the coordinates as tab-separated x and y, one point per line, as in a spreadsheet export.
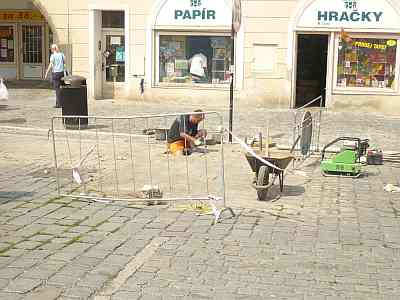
264	21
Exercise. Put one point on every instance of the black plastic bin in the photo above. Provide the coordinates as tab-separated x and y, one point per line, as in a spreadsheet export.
73	93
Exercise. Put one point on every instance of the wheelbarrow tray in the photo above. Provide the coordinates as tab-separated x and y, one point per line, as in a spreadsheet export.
262	183
281	159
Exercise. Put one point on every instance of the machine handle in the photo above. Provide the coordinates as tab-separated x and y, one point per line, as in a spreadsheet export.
358	140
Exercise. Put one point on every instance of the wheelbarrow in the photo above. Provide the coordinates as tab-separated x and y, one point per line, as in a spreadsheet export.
265	175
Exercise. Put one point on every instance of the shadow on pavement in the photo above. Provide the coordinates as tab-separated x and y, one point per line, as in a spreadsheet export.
14	121
28	84
7	107
97	126
14	195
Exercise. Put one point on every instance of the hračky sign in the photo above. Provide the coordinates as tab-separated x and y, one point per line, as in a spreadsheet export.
355	16
350	14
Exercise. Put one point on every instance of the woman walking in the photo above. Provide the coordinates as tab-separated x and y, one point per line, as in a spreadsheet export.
57	65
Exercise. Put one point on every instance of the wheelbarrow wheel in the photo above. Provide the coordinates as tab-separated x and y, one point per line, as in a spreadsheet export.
262	180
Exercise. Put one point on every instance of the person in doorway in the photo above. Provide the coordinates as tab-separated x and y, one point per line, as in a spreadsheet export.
198	67
57	65
184	133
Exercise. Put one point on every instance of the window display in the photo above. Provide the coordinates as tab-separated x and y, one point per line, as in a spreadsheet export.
194	59
367	63
6	44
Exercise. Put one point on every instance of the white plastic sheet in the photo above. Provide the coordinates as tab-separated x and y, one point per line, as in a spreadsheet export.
3	90
391	188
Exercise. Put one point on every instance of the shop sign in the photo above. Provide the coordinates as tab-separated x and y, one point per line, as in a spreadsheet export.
368	45
19	15
194	13
350	14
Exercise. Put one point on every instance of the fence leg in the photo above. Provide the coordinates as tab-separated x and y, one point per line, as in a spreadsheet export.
98	156
115	157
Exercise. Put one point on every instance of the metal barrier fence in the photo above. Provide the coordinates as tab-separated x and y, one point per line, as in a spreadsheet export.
307	128
127	159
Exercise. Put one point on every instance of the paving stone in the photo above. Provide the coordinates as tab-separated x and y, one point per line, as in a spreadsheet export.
92	253
80	229
52	246
10	273
107	270
123	295
23	263
119	260
90	239
108	227
3	283
40	238
45	293
62	280
55	229
40	272
95	281
5	261
64	255
10	296
14	252
22	285
79	292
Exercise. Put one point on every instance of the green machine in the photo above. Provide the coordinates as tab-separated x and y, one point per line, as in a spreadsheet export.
347	162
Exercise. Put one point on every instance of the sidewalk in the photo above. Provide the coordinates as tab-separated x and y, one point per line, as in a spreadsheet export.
33	109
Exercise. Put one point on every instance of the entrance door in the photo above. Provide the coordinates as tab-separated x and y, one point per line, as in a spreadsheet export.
32	37
113	63
312	57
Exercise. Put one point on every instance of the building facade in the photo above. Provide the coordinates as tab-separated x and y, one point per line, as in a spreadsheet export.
286	52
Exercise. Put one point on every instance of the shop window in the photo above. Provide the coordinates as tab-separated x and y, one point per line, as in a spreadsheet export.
367	63
264	58
194	59
115	58
113	19
32	38
7	44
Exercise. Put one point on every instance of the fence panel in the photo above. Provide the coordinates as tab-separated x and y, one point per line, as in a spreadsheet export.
127	159
307	128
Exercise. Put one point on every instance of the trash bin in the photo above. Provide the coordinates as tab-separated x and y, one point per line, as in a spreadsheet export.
73	94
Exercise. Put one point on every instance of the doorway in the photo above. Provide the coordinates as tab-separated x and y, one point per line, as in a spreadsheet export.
311	72
110	37
32	54
113	62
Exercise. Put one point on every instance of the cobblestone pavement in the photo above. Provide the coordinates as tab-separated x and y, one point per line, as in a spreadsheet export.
325	238
27	110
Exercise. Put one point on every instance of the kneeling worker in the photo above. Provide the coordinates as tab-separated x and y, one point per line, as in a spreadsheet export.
184	133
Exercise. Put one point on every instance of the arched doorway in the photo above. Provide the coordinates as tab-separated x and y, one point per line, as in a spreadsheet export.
25	36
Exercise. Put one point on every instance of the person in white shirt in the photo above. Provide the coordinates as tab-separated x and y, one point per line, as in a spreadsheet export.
57	64
198	66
